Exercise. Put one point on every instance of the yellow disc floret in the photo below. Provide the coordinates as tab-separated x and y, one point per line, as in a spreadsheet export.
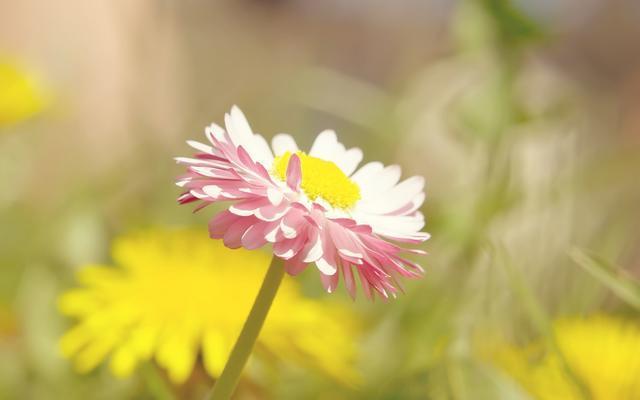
321	178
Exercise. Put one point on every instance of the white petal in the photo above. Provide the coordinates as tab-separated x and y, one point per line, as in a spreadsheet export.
282	143
212	190
395	198
325	267
240	212
421	236
238	127
215	131
206	171
198	195
275	196
241	134
276	216
409	188
417	202
368	171
391	223
200	147
271	236
350	253
326	146
381	182
229	195
350	160
287	254
260	151
193	161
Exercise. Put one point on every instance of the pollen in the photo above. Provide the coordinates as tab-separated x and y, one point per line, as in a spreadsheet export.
321	178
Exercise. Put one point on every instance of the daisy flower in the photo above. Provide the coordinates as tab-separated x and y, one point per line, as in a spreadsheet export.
167	300
602	351
314	208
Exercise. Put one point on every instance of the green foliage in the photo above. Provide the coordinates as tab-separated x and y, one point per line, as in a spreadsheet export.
514	27
625	288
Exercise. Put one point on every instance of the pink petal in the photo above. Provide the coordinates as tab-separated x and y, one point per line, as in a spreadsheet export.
254	237
294	173
329	282
248	207
295	265
233	236
270	212
349	282
220	223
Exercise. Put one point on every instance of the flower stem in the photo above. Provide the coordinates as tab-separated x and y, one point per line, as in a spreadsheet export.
226	384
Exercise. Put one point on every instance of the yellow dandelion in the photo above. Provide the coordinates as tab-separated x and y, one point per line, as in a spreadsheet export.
21	96
602	351
176	295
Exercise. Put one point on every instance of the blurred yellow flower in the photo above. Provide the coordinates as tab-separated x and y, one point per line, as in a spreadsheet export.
8	322
176	295
604	353
20	94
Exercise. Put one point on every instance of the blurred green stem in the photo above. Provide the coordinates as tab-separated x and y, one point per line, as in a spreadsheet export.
158	387
226	384
626	289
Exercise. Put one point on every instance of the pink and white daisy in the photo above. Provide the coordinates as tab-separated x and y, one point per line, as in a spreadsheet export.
314	207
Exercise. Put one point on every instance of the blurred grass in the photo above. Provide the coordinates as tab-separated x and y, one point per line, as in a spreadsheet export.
624	287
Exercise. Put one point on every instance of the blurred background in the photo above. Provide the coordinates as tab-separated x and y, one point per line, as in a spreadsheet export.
523	115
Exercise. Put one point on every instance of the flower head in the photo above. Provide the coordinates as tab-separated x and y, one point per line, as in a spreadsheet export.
20	95
602	351
172	297
314	207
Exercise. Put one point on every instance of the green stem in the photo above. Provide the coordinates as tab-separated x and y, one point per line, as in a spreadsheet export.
159	388
226	384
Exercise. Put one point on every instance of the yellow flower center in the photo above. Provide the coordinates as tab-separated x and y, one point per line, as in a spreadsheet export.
321	178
